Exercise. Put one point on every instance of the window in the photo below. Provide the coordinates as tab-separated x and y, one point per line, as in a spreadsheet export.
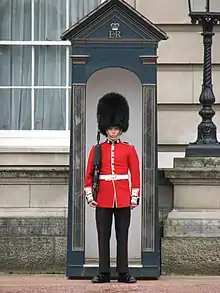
35	64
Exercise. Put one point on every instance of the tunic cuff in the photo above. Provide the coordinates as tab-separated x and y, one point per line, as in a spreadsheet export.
88	192
89	198
135	200
134	196
135	192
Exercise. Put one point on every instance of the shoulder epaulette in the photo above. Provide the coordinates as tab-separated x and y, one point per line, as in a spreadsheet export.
128	143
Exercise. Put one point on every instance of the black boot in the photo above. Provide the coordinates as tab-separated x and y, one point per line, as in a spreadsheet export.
101	278
126	278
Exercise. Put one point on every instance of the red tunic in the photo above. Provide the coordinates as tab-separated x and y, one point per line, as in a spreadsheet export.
116	159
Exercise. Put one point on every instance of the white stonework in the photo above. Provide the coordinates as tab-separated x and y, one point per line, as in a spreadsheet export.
164	12
179	86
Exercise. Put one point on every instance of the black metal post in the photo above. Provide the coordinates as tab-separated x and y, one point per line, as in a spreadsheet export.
206	144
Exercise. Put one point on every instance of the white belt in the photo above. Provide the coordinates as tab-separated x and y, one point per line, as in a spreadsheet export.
113	177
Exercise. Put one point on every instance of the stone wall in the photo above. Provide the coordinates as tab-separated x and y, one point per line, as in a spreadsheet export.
33	225
191	256
33	217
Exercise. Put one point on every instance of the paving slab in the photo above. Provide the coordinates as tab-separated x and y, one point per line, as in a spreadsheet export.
59	284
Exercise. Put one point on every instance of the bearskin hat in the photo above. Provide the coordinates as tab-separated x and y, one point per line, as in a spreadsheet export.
112	111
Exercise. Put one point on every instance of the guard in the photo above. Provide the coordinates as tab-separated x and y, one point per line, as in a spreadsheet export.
114	196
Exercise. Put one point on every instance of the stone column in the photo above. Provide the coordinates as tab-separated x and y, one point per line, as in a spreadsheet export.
192	229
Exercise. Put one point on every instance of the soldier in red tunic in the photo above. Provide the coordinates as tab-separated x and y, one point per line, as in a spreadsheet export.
115	196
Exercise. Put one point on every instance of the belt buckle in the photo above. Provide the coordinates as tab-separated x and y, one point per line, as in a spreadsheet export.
113	177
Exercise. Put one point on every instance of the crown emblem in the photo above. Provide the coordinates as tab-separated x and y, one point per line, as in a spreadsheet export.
115	26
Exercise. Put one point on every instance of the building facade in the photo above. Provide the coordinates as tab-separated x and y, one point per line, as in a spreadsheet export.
35	117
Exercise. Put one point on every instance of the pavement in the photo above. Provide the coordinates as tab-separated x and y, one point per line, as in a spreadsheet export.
59	284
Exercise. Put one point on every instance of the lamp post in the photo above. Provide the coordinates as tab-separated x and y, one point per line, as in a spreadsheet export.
207	14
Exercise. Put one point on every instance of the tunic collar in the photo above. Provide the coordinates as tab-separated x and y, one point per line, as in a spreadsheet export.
112	142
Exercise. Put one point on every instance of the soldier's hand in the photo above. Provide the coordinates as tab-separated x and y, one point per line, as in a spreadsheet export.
92	204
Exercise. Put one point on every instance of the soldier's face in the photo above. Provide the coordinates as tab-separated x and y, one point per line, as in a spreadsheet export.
113	132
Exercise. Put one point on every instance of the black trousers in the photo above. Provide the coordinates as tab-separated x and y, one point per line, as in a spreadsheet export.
104	218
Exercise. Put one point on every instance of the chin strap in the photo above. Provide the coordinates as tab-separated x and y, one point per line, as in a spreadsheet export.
98	137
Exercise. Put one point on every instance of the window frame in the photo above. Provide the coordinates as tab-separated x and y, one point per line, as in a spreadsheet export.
50	137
